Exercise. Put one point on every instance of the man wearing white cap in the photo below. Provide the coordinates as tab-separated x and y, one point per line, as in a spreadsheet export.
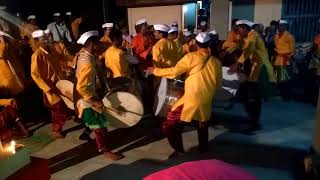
283	52
189	42
141	46
231	43
203	26
261	78
26	30
88	105
107	27
163	52
204	77
176	38
59	29
45	72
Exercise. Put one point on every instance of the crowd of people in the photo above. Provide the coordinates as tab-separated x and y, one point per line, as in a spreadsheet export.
261	59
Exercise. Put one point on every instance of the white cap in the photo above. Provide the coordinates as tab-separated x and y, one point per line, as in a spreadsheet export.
68	13
38	33
283	22
5	34
56	14
47	31
213	32
174	23
202	37
245	22
141	21
31	17
187	33
107	25
203	23
85	36
173	29
161	27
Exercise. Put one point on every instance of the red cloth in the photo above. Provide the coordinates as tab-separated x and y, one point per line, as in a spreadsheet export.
38	169
101	138
59	114
202	170
8	115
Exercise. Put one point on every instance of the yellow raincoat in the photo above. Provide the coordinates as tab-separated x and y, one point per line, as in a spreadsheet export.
164	54
115	60
231	44
44	73
204	77
285	48
255	50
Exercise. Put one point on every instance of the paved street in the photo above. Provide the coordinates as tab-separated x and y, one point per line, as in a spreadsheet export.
268	155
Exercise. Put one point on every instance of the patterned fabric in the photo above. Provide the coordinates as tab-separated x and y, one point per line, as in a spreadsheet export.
93	119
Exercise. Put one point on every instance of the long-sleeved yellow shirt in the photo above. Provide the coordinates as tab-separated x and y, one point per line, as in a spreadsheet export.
75	27
12	79
43	72
163	54
204	77
231	44
255	50
115	60
285	48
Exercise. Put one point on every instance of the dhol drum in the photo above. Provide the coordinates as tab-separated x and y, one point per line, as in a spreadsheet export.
66	89
123	109
230	85
169	92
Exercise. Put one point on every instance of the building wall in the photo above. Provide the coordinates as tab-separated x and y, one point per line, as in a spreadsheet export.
243	9
155	15
267	10
219	17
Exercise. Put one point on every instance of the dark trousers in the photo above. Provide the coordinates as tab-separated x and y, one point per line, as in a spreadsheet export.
101	139
172	127
59	114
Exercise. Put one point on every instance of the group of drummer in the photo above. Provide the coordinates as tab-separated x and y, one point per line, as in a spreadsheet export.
162	51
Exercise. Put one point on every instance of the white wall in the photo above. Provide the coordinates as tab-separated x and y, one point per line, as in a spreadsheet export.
267	10
155	15
219	17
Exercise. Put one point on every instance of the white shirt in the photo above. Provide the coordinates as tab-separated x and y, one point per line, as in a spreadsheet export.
59	32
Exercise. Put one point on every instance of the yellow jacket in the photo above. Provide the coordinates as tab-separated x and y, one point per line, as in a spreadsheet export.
75	27
204	77
163	54
255	50
231	44
115	60
12	79
179	48
44	74
5	102
285	48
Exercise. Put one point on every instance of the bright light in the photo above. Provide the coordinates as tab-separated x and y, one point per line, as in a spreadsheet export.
185	9
200	4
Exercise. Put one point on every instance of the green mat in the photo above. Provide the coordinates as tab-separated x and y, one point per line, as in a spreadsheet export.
35	142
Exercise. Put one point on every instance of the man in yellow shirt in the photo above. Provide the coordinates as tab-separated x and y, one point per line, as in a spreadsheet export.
88	105
283	52
175	37
204	77
45	73
163	53
231	44
115	58
27	29
107	27
261	78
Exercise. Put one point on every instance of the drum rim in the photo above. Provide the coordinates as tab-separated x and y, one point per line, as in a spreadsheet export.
159	107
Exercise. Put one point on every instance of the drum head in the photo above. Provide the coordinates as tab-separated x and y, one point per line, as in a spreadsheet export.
66	88
227	76
162	93
230	85
123	109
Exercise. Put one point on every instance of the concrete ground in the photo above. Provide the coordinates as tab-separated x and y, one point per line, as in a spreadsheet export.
270	154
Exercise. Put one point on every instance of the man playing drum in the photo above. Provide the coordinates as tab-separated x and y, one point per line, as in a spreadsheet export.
259	82
44	71
203	79
88	106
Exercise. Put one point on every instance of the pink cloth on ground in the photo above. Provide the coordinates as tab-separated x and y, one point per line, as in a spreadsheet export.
202	170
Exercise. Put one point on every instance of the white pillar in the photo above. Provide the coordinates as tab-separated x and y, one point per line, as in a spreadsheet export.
219	17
